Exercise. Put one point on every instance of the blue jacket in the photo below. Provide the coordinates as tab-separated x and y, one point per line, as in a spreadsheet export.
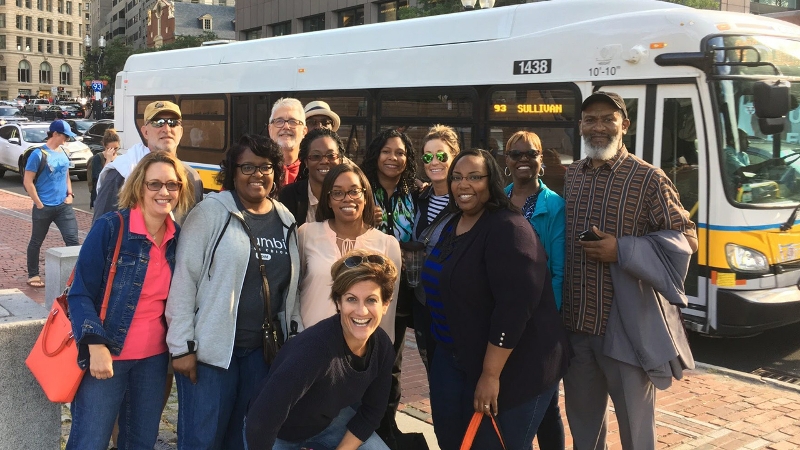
86	295
549	222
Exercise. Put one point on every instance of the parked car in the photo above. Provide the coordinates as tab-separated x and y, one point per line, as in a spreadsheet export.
93	137
52	113
10	114
80	126
20	102
36	104
15	138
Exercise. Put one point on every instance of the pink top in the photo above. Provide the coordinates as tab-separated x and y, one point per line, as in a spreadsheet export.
147	335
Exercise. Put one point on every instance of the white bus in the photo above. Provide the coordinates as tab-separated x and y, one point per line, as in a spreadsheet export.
687	75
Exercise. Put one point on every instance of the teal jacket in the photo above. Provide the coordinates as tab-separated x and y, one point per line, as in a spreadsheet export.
549	223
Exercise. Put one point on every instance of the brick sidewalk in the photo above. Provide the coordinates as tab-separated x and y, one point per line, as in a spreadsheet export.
709	409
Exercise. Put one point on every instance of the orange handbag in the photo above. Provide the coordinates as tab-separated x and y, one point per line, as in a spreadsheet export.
472	430
54	358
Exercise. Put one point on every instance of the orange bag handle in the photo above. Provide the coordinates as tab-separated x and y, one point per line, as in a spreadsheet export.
472	430
112	271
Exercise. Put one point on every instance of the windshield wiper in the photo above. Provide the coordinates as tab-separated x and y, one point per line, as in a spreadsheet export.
790	222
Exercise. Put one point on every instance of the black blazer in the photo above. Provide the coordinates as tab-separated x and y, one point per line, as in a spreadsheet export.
295	198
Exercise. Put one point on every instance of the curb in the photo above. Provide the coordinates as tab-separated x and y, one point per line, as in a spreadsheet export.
747	377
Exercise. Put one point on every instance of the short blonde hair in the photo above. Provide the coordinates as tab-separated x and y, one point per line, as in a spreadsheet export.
384	275
445	134
527	136
132	191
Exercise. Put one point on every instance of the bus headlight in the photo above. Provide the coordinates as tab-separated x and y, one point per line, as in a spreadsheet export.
743	259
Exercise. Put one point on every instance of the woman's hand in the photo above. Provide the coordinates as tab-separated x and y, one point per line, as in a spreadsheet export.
486	393
378	215
110	154
186	366
349	442
101	366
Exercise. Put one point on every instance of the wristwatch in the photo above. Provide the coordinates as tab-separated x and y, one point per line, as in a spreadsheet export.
71	194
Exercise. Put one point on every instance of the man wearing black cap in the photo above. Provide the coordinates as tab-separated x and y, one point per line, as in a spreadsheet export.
611	198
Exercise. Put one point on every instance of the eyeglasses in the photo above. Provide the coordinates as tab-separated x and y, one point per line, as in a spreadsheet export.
331	157
323	122
357	260
249	169
469	178
441	156
355	194
158	123
156	185
281	122
516	155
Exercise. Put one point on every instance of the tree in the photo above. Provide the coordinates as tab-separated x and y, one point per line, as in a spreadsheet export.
112	61
699	4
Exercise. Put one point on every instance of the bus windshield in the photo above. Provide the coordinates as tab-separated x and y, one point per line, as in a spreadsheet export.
754	172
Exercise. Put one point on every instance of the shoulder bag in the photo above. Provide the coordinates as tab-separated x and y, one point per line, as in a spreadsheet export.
472	430
53	359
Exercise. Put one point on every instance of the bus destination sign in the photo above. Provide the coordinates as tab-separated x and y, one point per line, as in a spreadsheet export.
533	66
527	108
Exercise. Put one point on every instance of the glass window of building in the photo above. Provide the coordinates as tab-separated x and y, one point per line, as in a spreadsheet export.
314	23
61	6
207	24
40	5
69	28
40	25
19	22
3	76
65	75
29	23
19	3
387	12
60	47
49	4
69	8
28	44
24	72
28	4
254	33
2	20
282	29
69	48
60	27
2	41
49	46
40	46
351	17
19	42
45	73
49	26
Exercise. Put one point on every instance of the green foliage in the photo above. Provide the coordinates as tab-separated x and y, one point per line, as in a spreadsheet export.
699	4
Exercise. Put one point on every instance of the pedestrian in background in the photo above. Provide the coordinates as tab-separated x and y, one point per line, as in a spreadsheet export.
389	165
51	191
111	145
612	196
237	265
320	150
126	353
544	209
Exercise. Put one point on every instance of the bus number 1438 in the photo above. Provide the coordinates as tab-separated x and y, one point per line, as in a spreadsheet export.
532	66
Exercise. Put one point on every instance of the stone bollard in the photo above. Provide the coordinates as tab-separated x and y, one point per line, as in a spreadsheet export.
27	419
58	264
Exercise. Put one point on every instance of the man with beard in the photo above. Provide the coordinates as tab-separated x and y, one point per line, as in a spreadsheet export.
614	194
287	127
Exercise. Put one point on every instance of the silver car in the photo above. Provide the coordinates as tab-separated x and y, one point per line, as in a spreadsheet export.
15	138
10	114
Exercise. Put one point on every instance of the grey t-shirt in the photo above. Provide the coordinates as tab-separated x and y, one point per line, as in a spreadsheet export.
268	232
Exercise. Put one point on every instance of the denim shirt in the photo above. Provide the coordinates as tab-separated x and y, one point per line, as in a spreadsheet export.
86	294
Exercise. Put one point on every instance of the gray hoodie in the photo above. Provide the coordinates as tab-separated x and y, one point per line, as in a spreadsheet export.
210	266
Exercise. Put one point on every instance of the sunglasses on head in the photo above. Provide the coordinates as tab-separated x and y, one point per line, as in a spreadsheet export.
427	158
356	260
158	123
516	155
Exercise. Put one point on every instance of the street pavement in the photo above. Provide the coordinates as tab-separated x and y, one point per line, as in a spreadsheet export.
711	408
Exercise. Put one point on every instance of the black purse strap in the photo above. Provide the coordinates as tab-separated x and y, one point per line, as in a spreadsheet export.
430	229
264	281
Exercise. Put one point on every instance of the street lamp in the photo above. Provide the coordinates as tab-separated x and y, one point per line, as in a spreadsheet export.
95	59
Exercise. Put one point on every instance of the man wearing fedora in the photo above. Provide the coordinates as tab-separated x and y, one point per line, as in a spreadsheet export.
319	115
162	131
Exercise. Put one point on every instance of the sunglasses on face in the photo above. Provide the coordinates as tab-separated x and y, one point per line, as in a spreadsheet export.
249	169
324	122
427	158
158	123
516	155
281	122
355	194
356	260
156	185
331	157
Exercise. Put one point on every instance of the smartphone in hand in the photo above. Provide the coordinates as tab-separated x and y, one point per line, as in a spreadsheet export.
588	235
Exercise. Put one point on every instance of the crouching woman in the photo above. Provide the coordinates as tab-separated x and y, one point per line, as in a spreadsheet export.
329	386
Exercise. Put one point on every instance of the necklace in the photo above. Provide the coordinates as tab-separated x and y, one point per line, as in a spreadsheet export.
153	235
346	245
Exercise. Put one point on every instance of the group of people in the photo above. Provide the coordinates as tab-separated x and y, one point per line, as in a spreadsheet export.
512	296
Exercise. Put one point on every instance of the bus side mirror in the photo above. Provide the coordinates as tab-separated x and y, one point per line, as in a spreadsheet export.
771	101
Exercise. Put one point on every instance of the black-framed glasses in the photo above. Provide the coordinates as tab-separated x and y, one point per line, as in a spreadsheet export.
281	122
331	157
249	169
155	185
158	123
516	155
427	158
323	122
355	194
468	178
356	260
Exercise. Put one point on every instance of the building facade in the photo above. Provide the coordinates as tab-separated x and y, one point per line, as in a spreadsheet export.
168	19
41	47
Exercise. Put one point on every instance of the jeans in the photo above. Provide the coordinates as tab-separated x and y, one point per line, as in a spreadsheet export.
330	437
550	435
64	217
451	407
211	412
135	393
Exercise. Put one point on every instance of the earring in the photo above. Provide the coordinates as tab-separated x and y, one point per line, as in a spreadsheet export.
541	171
305	173
507	172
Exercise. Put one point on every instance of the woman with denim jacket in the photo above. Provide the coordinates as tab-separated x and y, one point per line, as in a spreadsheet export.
217	303
126	353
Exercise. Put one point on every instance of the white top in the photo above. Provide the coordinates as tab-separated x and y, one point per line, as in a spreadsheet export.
318	252
311	215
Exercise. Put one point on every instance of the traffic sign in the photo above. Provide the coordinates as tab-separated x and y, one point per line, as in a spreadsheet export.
97	86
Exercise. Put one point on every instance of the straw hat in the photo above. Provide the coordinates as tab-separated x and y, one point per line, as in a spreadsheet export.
320	108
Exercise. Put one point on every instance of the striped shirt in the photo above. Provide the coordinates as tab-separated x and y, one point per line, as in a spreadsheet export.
436	204
626	196
431	280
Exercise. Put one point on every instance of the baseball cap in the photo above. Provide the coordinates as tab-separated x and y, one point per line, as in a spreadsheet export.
607	97
59	126
320	108
160	106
